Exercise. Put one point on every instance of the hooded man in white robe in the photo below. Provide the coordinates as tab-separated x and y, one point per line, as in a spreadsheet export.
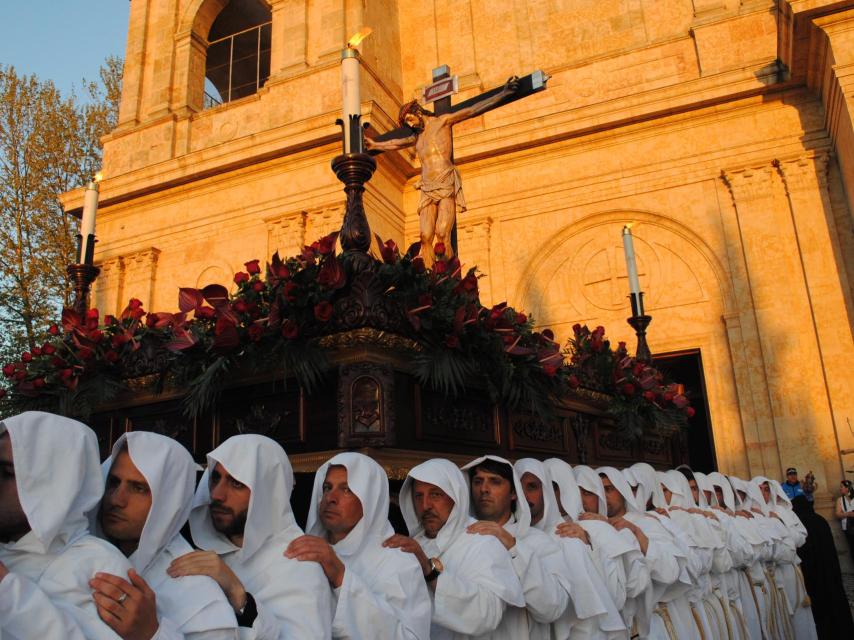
498	503
50	479
242	520
150	480
471	579
379	593
658	547
592	613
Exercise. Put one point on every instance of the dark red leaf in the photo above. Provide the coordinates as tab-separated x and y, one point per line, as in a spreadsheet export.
216	295
189	299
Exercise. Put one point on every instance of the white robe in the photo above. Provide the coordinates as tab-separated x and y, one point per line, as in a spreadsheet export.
538	562
293	598
592	613
191	607
479	582
47	592
383	595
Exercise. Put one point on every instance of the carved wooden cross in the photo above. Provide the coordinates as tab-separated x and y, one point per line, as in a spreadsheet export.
487	101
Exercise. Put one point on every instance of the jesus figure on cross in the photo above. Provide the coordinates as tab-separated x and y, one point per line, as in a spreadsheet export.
440	185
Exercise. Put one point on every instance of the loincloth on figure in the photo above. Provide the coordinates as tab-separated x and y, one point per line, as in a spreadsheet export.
446	185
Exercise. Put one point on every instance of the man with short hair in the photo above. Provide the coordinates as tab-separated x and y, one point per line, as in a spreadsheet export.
49	480
150	481
498	502
470	576
242	520
379	592
793	487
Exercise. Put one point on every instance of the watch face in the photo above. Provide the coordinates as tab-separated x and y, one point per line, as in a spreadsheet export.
437	564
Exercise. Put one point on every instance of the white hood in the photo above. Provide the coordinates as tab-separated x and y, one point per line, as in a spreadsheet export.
522	512
551	513
58	477
570	497
621	484
720	480
589	480
170	472
677	484
754	494
704	484
262	465
646	479
369	482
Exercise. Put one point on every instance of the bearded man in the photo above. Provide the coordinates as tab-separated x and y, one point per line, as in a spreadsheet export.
242	520
150	481
379	592
49	480
471	577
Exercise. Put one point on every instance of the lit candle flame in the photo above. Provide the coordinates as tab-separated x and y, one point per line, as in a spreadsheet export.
98	177
360	35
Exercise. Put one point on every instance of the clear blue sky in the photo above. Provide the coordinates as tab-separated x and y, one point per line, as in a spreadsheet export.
62	40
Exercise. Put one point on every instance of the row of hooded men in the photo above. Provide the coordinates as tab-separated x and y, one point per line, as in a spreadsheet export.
497	550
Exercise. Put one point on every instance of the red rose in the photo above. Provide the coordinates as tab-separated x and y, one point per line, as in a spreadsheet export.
327	245
668	397
38	383
85	353
628	389
331	275
418	264
66	374
291	291
290	330
550	370
576	328
20	375
58	362
118	340
9	370
253	267
256	332
258	286
521	318
137	313
111	356
53	330
439	248
108	319
573	382
323	311
470	283
151	320
440	267
26	357
649	395
240	306
48	349
282	271
37	351
240	277
96	336
134	303
205	313
92	314
689	411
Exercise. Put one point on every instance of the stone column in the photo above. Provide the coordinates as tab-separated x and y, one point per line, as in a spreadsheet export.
289	47
474	247
286	234
805	179
801	420
106	293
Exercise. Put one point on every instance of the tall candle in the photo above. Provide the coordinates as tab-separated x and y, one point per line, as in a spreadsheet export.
632	268
87	222
352	96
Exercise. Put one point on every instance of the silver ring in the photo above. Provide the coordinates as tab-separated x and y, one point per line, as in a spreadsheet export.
122	597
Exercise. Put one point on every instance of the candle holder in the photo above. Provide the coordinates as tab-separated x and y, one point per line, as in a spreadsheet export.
639	323
82	275
354	170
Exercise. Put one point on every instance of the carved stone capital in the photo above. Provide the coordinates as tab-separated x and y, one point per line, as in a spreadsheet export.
286	233
141	259
804	173
746	185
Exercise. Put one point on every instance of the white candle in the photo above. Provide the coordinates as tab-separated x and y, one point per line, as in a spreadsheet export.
632	265
352	95
87	221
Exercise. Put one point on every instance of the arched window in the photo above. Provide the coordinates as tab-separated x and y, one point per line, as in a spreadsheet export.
238	55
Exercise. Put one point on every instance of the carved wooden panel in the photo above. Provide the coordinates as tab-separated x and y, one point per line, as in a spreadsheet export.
165	418
267	410
366	411
469	419
611	448
528	432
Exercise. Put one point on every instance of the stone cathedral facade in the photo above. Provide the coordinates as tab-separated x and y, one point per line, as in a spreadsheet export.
721	128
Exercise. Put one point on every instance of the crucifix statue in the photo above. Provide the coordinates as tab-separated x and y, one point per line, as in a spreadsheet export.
431	132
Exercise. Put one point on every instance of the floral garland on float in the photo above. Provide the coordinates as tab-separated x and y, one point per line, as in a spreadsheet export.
275	320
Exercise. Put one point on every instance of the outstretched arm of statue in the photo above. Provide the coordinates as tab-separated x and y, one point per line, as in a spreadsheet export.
510	87
390	145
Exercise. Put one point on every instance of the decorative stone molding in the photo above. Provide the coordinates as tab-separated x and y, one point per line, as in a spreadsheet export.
140	274
107	288
474	248
748	184
321	221
805	173
286	233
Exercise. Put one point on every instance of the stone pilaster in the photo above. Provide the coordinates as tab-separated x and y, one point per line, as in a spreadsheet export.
805	179
140	275
474	247
322	221
107	289
286	234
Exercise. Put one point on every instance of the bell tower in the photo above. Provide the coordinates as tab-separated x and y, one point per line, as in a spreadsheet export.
225	133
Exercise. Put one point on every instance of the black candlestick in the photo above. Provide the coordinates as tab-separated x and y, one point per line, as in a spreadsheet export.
82	276
639	324
354	170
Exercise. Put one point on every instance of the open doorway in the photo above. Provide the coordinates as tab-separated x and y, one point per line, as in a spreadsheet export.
686	367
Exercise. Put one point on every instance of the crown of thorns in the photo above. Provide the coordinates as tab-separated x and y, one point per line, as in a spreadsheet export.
411	107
